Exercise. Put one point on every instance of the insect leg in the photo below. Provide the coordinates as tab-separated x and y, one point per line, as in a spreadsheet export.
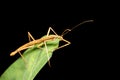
52	31
22	57
67	43
47	54
30	36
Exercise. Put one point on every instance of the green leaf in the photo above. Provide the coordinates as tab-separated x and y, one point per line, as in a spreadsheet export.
35	59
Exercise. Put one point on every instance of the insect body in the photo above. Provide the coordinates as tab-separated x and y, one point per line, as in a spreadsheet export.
38	41
45	38
30	44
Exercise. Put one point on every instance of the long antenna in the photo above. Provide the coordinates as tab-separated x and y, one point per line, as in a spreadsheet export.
68	30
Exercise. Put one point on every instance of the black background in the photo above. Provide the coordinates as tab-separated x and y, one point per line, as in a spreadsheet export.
83	59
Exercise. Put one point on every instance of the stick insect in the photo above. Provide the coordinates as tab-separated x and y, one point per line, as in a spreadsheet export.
45	39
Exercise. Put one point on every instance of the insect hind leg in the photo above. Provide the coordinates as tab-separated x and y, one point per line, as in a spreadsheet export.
22	57
30	37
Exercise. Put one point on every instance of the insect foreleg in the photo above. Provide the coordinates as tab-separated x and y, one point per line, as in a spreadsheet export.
67	43
30	36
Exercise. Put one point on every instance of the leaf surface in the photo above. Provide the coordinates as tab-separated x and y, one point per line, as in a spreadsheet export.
35	59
